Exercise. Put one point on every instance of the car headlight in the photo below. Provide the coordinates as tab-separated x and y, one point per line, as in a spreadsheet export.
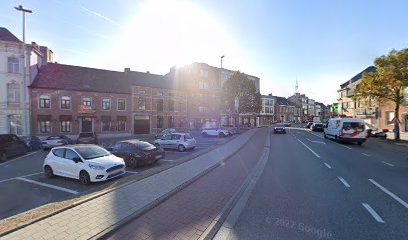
96	167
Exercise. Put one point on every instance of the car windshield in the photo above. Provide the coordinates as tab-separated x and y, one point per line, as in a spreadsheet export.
359	126
146	146
86	135
187	136
91	152
54	137
280	125
318	125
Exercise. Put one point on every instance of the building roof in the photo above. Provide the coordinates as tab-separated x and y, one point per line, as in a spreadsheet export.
6	35
359	76
282	101
76	78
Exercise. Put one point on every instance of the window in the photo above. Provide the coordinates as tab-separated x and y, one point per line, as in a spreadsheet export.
202	85
60	152
65	126
159	121
13	65
15	126
121	123
69	154
106	104
170	121
203	109
175	137
406	123
65	102
160	105
142	92
13	93
204	73
160	93
141	104
121	104
389	116
106	123
87	101
45	101
171	105
44	126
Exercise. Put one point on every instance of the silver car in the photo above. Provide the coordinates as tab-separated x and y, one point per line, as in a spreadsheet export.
179	141
55	141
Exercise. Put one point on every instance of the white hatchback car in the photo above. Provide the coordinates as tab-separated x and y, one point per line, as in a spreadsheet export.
179	141
215	132
86	162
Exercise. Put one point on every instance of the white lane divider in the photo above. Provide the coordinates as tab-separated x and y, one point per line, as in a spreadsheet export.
398	199
389	164
315	141
344	181
48	185
365	154
317	155
327	165
316	134
167	160
344	146
373	213
131	172
28	175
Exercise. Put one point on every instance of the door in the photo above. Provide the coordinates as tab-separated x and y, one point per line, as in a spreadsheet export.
141	125
57	164
174	142
86	125
165	142
70	167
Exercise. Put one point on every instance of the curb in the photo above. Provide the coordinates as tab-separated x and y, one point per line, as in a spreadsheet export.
110	230
103	192
218	229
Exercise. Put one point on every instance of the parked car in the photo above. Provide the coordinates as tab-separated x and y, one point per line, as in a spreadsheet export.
136	152
317	127
309	124
381	134
346	129
287	124
87	163
87	138
11	145
179	141
165	132
216	132
279	128
55	141
33	143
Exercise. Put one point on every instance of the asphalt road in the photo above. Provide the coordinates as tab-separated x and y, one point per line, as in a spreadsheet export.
23	185
313	188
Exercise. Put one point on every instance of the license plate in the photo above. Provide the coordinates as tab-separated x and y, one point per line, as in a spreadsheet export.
158	156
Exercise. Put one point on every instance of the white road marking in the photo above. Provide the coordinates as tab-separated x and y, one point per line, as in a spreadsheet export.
344	181
389	164
344	146
315	141
167	160
15	159
131	172
373	213
317	135
327	165
365	154
9	179
398	199
48	185
317	155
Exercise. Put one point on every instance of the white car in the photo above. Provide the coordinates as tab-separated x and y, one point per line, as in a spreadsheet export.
215	132
86	162
179	141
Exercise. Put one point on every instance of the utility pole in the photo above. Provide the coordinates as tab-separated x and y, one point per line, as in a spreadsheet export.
25	89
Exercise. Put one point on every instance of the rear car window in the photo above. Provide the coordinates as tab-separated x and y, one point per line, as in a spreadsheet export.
359	126
145	146
54	137
86	135
188	136
60	152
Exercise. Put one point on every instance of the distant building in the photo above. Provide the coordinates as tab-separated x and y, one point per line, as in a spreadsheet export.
307	105
267	115
284	110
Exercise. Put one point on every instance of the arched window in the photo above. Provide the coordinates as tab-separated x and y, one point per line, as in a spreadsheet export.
13	92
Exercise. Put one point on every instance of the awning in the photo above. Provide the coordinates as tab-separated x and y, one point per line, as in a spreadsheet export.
65	118
121	118
105	118
44	117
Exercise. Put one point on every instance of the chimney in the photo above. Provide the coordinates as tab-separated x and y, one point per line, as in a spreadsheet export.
147	72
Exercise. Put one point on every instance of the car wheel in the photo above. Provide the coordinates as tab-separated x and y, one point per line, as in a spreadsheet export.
221	135
48	171
181	148
132	162
360	143
84	177
3	157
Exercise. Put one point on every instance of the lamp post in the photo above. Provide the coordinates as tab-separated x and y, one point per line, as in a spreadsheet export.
25	90
221	60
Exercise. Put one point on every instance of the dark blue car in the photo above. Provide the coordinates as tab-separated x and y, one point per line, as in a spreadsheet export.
33	143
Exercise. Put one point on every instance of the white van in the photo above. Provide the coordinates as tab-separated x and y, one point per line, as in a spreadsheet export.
345	129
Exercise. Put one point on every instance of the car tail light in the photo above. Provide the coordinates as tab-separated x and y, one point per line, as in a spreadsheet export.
60	141
146	153
341	132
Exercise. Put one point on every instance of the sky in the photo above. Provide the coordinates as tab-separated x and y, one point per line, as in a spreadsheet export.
321	43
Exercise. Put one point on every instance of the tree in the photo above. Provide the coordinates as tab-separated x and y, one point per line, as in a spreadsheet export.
240	87
387	83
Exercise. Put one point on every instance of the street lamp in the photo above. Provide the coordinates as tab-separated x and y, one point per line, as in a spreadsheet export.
25	92
221	60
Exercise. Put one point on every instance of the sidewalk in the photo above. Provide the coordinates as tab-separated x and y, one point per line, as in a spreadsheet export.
188	213
106	212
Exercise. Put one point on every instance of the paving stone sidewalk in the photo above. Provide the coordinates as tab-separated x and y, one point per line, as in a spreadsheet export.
95	216
188	213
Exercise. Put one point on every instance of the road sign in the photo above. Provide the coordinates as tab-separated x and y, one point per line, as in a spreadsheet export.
395	120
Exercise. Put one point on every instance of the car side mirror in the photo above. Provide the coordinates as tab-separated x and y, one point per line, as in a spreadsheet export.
77	159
